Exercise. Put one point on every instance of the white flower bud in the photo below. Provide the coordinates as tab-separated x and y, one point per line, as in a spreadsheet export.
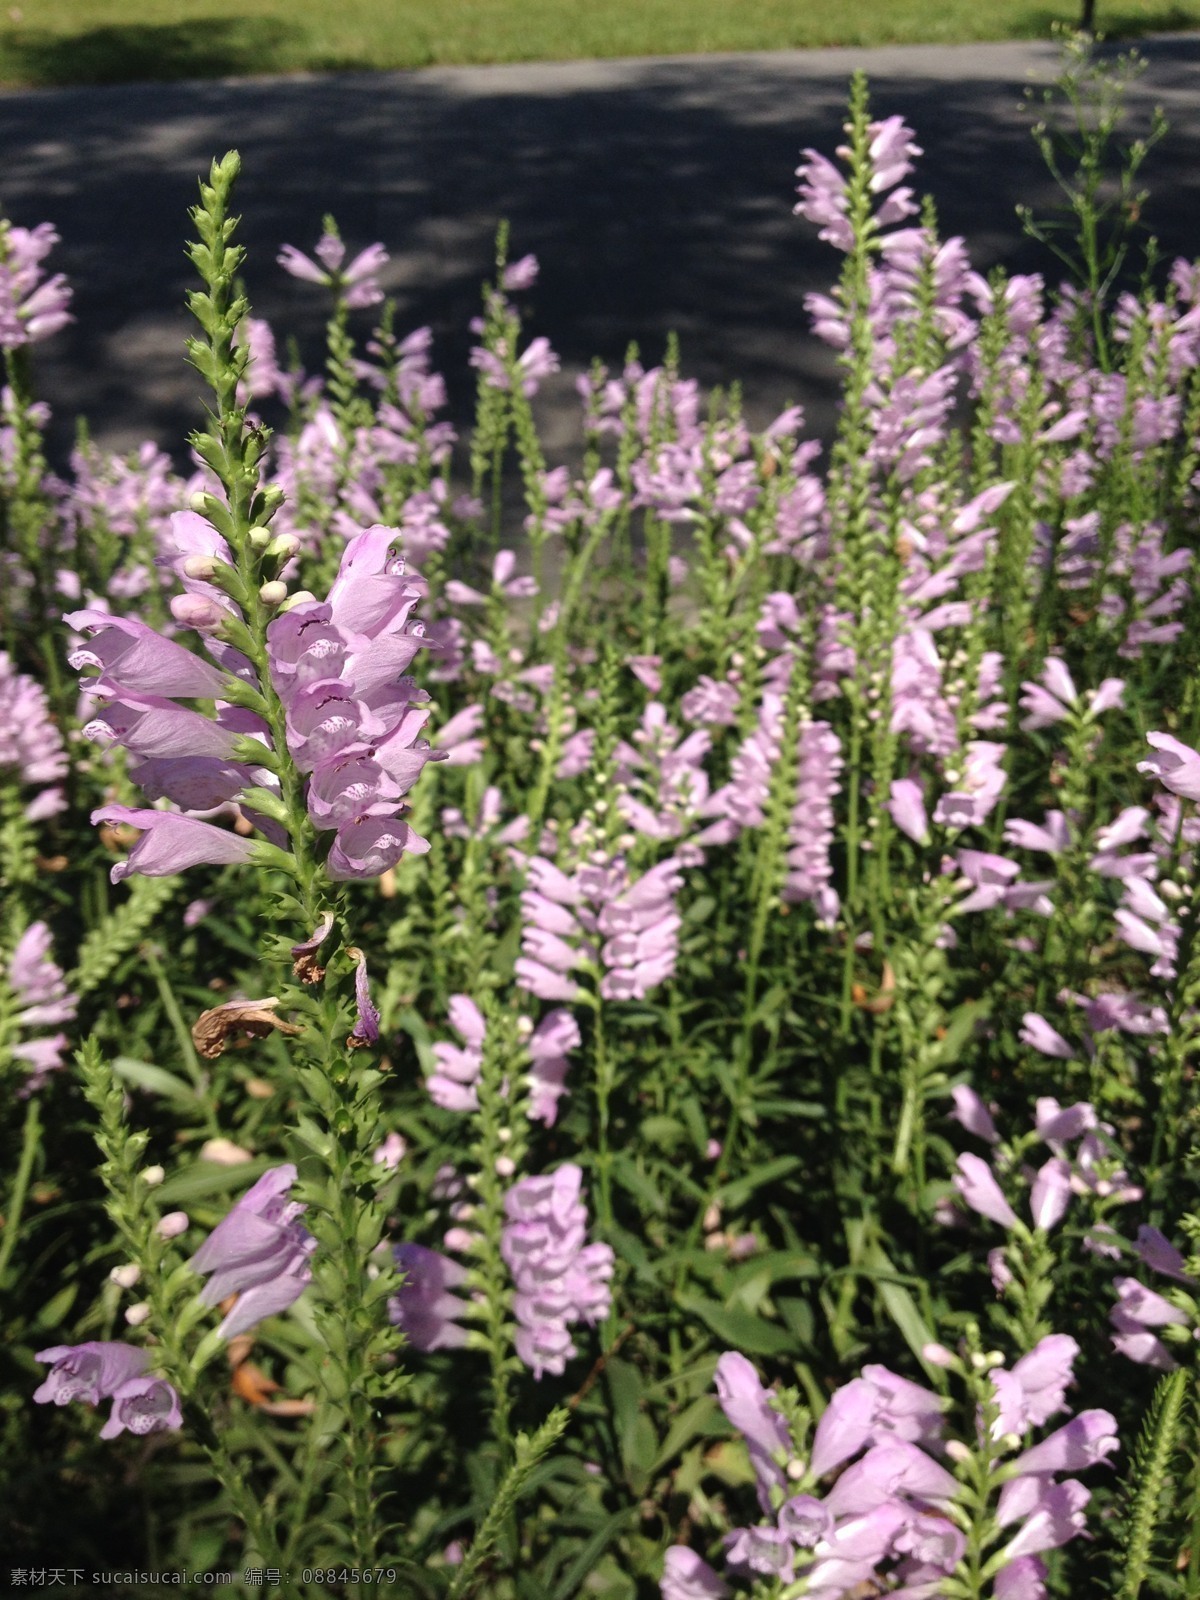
273	593
138	1314
302	597
172	1225
125	1277
199	566
284	544
505	1166
152	1176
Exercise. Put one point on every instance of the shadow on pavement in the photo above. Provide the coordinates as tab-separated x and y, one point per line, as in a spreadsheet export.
657	195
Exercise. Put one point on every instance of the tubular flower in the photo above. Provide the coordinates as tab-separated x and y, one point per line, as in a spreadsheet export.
113	1371
258	1253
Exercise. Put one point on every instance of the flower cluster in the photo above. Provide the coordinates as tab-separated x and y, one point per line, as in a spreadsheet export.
337	666
598	918
110	1371
31	308
355	282
42	1001
453	1085
559	1279
31	747
895	1517
1143	1319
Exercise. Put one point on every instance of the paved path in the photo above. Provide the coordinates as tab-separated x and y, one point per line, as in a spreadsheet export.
656	193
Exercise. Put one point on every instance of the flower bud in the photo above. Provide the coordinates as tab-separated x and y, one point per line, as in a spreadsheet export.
302	597
273	593
284	544
199	566
505	1166
153	1176
172	1225
125	1277
138	1314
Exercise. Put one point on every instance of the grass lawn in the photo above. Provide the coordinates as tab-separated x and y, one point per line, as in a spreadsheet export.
110	41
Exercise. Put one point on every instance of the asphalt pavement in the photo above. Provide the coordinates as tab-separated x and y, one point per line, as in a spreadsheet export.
656	193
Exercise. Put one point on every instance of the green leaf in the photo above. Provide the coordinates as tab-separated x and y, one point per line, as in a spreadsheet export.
156	1080
699	1420
899	1303
734	1195
741	1330
206	1178
53	1313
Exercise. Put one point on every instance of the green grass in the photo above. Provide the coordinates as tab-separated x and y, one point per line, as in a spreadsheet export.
95	41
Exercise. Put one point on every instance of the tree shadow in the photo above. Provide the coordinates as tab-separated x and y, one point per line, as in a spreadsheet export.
1122	20
207	47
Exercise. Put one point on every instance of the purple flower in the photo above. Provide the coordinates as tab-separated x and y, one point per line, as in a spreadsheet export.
1082	1442
747	1406
356	284
805	1520
1157	1252
31	747
259	1252
1037	1033
1053	1513
970	1111
143	1405
761	1550
1051	1194
1055	1123
1137	1311
687	1576
1022	1579
128	653
1036	1386
426	1308
907	808
88	1372
103	1371
30	308
1176	766
555	1036
559	1279
171	842
40	991
889	1470
977	1184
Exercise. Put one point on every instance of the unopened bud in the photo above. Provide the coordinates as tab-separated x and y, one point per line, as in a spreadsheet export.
505	1166
302	597
284	544
957	1450
138	1314
796	1468
199	566
172	1225
938	1356
199	501
152	1176
260	538
125	1277
273	593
